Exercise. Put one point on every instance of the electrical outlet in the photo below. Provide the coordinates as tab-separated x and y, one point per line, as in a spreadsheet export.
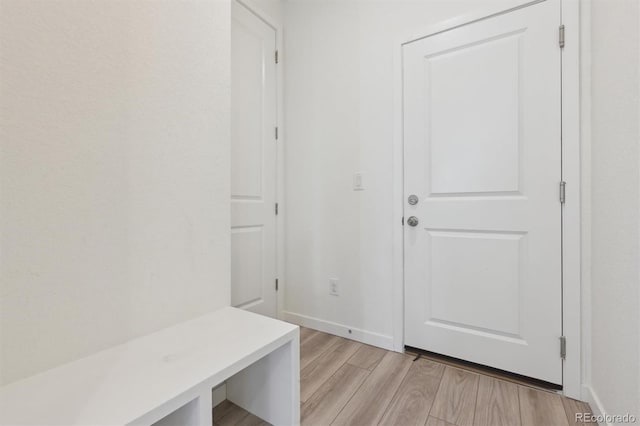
334	288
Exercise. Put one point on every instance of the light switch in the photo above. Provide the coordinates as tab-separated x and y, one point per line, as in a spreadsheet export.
358	181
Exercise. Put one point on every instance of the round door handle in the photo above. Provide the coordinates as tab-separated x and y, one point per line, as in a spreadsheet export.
413	221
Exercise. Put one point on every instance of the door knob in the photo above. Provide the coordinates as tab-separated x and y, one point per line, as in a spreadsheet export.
413	221
413	200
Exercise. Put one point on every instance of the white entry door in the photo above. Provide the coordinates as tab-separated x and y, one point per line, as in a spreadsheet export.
483	267
253	162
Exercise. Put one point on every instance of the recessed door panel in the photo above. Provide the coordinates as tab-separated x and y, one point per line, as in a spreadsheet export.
485	267
247	150
482	154
247	247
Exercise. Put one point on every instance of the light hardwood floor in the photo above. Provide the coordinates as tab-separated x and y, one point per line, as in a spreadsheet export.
343	382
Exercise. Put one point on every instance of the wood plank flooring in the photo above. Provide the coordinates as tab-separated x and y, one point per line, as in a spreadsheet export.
343	382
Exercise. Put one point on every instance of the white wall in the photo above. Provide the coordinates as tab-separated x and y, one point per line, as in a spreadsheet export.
615	205
339	113
114	172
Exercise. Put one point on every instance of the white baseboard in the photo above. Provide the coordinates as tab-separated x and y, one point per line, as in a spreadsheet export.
589	396
363	336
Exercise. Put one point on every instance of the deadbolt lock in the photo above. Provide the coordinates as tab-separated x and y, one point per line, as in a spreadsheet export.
413	200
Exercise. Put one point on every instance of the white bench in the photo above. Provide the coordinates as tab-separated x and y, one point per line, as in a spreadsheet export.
167	377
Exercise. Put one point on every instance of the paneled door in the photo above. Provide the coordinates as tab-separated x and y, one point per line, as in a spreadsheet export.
253	162
482	158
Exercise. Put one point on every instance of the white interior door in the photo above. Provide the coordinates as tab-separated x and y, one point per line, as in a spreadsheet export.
253	162
483	272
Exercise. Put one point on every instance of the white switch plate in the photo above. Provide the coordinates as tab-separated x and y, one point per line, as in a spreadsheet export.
358	181
334	288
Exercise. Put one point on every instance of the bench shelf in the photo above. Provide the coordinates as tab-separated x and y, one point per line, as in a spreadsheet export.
166	377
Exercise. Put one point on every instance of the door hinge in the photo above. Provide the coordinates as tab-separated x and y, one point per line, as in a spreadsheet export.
561	36
276	284
276	209
563	192
276	57
276	133
563	347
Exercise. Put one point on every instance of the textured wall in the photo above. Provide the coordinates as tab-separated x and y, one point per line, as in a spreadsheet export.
615	209
114	173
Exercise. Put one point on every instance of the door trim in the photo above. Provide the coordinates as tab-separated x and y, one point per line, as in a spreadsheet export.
276	22
571	219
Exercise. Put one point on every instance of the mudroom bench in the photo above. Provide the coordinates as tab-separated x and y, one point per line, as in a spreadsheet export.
166	378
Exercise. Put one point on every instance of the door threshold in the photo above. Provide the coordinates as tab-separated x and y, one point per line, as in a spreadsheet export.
485	370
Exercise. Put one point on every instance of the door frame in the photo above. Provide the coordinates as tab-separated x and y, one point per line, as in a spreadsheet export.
571	173
276	22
